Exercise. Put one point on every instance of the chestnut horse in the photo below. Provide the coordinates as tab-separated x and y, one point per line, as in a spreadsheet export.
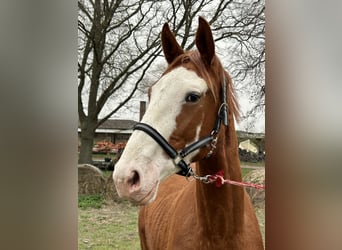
190	119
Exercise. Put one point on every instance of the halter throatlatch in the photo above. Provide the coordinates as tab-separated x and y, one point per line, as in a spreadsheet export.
178	157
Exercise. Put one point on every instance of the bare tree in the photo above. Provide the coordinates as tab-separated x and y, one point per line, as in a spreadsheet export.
248	66
239	30
119	40
116	47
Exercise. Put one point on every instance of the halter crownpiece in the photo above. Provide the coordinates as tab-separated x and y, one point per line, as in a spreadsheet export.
223	111
178	157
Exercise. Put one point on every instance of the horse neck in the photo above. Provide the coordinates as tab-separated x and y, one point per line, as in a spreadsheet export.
220	209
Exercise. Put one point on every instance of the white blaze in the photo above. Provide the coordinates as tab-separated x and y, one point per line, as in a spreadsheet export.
167	98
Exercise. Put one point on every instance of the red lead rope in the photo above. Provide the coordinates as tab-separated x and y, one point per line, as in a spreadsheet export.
219	181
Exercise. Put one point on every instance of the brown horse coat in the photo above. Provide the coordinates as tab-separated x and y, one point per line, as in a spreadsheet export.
194	215
174	221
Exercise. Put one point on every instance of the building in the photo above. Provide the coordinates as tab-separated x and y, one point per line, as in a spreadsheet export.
113	130
249	146
252	140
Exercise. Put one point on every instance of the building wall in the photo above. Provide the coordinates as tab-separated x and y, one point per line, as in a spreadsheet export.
257	139
249	146
121	138
103	137
114	138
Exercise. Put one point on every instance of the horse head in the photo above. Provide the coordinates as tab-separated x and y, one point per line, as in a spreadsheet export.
183	107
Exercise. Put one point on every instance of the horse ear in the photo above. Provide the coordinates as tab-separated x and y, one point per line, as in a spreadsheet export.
170	46
204	41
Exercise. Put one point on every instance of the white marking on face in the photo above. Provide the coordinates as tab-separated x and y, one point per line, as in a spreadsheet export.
142	153
167	99
197	137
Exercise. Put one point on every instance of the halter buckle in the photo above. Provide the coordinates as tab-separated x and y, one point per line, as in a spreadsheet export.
177	160
223	113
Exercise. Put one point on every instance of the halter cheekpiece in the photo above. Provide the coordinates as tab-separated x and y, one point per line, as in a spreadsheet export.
178	157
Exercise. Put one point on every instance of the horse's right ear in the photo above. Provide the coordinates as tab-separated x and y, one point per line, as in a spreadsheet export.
170	46
204	41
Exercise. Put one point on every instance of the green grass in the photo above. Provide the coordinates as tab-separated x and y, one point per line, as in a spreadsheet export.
111	227
101	156
90	201
104	154
254	164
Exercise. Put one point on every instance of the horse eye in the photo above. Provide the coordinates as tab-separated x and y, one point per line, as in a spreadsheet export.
192	97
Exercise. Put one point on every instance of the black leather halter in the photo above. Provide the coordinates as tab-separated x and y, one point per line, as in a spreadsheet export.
178	157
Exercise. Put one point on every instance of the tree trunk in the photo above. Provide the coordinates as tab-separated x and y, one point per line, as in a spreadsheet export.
87	141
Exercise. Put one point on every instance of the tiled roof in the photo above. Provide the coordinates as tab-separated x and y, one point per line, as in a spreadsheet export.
118	124
243	134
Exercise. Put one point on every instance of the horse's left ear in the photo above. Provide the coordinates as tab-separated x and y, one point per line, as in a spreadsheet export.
204	41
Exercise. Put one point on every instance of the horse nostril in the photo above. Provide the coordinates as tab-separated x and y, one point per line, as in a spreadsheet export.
134	180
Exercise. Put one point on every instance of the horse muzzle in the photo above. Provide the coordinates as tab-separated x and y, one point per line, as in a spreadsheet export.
134	184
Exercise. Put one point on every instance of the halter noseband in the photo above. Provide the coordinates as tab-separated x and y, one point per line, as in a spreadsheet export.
178	157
